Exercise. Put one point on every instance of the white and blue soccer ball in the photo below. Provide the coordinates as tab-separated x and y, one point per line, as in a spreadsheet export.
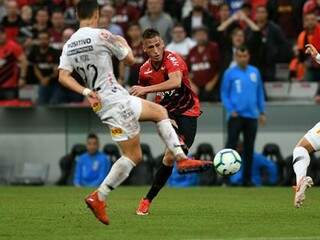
227	162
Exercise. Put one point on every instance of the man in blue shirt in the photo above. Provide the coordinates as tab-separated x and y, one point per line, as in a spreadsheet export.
242	95
93	166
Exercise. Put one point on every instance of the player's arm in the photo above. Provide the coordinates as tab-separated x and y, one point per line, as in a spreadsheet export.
174	81
118	46
310	49
23	62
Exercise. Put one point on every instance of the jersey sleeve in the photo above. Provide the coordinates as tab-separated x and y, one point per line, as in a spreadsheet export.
65	61
173	63
113	43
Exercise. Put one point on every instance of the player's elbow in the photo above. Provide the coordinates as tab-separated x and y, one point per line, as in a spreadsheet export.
129	60
177	83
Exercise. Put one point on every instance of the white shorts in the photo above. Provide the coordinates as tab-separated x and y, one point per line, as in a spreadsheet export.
313	136
122	117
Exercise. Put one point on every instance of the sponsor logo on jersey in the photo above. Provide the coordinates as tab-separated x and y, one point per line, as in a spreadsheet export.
80	50
79	43
253	77
116	132
200	66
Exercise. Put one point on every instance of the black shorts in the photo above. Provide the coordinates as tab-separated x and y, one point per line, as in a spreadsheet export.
187	128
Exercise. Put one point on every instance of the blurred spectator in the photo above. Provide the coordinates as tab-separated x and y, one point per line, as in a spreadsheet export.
260	165
124	14
45	62
311	34
198	17
180	42
156	18
11	55
214	7
106	14
25	35
312	6
92	167
273	46
12	21
56	30
70	16
204	65
243	98
2	10
288	14
296	68
41	23
225	22
135	41
173	8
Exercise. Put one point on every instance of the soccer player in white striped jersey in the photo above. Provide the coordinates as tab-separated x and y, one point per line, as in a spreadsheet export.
308	144
89	52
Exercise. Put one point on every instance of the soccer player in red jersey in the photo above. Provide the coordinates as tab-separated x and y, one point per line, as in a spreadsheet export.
166	74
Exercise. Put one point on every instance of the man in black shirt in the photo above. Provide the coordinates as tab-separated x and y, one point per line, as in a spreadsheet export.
45	62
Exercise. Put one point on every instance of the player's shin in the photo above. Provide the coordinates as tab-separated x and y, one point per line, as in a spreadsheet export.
118	173
301	161
169	136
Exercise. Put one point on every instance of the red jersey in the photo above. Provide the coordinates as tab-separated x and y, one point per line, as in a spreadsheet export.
203	65
179	101
9	72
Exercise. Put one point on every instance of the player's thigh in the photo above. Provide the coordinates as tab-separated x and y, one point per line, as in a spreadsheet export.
311	140
152	111
131	148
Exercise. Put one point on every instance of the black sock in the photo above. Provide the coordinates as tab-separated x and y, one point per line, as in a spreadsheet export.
159	181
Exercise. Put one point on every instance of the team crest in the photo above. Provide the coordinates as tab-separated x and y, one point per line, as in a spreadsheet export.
253	77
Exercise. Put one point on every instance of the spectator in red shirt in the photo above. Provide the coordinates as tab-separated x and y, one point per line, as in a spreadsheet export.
55	31
124	14
134	34
203	61
12	22
310	35
312	6
11	77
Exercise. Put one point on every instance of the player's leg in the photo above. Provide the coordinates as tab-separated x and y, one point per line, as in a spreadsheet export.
186	128
131	156
249	136
301	160
158	114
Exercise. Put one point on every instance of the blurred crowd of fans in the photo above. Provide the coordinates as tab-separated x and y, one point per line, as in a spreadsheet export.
205	32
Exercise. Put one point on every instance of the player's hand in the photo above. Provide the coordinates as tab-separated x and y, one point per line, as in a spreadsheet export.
317	99
94	100
310	49
262	120
138	91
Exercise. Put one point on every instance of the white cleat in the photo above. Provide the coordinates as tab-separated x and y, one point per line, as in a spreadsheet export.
303	184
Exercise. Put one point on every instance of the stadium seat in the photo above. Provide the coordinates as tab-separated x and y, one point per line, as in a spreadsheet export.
205	151
6	171
112	151
277	90
32	174
303	90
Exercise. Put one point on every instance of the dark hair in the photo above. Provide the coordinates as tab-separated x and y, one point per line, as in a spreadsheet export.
86	8
200	29
56	10
134	24
150	33
224	4
242	49
178	25
92	136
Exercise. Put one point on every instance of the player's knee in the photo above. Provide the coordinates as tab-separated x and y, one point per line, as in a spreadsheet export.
136	156
163	114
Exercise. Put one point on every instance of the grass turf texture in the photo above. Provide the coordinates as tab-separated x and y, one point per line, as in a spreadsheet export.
195	213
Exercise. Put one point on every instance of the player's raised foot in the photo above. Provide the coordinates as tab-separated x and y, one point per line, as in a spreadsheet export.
97	207
192	165
303	184
143	208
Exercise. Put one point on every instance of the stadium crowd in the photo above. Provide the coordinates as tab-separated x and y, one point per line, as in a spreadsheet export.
205	32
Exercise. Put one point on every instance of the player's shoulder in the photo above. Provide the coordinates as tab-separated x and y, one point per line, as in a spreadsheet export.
172	57
253	68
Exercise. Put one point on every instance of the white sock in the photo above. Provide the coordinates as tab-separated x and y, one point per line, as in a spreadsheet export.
301	161
118	173
170	137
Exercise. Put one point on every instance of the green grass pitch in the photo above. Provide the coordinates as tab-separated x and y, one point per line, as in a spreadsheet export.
34	213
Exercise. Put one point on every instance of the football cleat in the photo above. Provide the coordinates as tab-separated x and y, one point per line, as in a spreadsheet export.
191	165
143	208
97	207
303	184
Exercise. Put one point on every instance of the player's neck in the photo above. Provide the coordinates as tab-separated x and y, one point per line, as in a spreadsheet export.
88	23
